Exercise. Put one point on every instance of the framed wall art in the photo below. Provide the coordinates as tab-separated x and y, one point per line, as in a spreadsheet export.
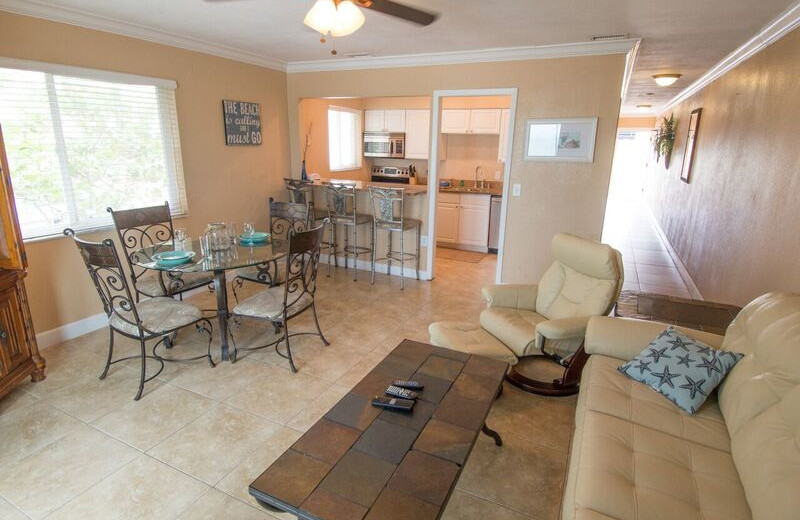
691	145
242	123
563	140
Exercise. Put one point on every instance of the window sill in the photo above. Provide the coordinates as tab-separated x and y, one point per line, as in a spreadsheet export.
340	170
84	232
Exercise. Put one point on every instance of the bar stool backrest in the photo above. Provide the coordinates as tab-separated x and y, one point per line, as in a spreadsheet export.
287	217
300	191
341	201
387	207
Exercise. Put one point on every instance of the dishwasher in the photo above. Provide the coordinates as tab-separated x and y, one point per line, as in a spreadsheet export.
494	222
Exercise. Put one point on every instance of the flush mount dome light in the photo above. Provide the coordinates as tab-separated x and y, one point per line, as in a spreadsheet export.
643	108
665	80
337	19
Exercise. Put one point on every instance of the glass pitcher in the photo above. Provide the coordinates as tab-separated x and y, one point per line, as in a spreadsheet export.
218	237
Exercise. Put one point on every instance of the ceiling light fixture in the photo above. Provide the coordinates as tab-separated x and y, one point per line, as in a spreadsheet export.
335	18
665	80
643	108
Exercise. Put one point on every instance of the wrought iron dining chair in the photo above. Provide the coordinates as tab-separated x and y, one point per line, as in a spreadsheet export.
302	192
343	211
139	228
388	215
279	304
157	317
284	218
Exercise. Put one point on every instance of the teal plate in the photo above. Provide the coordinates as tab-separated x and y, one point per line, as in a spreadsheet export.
257	237
172	258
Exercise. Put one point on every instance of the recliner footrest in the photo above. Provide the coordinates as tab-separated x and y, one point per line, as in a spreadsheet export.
470	339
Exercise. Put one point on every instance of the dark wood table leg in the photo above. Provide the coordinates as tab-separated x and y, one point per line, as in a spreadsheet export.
221	290
498	441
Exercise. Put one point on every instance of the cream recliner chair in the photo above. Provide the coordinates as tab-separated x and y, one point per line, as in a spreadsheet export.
545	319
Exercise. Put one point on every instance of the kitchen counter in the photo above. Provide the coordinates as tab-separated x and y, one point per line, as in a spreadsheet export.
410	189
473	191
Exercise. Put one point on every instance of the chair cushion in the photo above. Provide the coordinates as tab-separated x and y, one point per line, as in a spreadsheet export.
566	293
268	304
149	284
683	369
470	339
158	315
514	327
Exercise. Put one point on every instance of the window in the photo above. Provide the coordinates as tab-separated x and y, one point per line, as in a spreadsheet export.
344	138
81	140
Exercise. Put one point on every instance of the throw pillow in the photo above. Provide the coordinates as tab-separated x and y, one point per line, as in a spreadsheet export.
684	370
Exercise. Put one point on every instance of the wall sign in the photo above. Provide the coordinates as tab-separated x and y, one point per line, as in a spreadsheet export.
566	139
242	123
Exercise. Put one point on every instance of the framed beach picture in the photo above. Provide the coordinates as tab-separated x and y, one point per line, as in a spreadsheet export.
691	140
566	139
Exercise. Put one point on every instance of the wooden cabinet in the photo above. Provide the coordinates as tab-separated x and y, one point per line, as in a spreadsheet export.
418	134
463	220
19	354
505	125
393	121
471	121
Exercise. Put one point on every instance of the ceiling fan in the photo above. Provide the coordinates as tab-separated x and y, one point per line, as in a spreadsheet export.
342	17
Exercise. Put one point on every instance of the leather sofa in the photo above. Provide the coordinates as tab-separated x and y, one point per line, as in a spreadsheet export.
635	455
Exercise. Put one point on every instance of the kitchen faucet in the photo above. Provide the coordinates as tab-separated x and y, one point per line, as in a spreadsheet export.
478	172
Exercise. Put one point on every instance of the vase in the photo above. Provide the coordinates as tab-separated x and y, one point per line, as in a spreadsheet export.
303	172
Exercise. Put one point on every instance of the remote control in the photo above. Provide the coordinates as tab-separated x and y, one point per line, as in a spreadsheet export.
401	392
412	385
393	403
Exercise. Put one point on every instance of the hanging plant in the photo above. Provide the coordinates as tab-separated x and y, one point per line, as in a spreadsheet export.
664	139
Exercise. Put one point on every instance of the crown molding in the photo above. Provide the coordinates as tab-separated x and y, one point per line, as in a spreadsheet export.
566	50
101	23
786	22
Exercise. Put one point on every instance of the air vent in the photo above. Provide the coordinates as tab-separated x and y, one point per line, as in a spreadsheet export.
608	37
358	55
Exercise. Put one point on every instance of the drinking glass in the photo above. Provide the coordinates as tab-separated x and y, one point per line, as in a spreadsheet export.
232	233
205	249
248	228
180	239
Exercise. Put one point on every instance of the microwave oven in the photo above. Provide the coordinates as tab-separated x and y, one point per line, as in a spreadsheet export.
382	144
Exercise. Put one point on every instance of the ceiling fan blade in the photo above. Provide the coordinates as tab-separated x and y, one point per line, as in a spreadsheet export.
399	11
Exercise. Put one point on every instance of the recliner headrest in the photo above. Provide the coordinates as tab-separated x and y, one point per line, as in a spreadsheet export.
586	256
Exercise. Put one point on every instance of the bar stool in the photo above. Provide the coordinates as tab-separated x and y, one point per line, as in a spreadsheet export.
388	215
342	210
302	192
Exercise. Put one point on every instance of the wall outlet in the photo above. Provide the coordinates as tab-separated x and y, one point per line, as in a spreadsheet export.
516	190
423	241
497	175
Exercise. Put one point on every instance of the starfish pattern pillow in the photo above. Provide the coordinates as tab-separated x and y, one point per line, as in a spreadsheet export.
684	370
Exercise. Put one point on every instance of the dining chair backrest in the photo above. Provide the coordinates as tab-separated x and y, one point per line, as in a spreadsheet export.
300	191
287	217
302	264
387	207
341	201
105	270
139	228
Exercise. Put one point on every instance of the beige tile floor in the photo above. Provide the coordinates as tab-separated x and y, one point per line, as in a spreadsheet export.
649	267
75	447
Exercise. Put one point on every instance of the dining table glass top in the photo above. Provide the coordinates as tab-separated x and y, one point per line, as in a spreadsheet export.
238	256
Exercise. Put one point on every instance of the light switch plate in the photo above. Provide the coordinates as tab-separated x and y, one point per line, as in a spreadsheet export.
423	241
516	190
497	175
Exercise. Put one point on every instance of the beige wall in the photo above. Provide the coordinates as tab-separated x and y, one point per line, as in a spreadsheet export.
222	182
315	113
555	196
637	122
735	225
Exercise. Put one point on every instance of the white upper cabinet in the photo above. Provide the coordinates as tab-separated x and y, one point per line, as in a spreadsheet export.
505	122
485	121
455	121
385	121
418	134
475	121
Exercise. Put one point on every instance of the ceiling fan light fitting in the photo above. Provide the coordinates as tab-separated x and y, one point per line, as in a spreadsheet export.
322	16
665	80
349	19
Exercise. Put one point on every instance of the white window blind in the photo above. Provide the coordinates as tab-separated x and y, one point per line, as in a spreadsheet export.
81	140
344	138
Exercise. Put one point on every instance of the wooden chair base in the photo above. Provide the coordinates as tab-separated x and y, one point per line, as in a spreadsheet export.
568	384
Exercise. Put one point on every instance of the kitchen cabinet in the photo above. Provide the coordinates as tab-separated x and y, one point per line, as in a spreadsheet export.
463	220
475	121
418	134
393	121
505	122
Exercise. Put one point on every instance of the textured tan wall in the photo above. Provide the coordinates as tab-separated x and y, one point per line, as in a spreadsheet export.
637	122
735	225
555	196
222	182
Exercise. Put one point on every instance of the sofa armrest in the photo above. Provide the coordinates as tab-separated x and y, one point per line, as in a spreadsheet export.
563	328
625	338
515	296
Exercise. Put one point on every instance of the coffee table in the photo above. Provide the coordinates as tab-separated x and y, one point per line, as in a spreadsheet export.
363	462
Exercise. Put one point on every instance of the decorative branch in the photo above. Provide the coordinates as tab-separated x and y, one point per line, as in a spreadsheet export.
307	140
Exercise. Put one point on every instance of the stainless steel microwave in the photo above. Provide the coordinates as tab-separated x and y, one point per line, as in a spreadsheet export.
382	144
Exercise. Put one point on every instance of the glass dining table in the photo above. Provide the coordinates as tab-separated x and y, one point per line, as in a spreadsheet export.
263	256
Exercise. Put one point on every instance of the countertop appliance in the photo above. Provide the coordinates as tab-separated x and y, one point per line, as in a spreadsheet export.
390	174
383	144
494	222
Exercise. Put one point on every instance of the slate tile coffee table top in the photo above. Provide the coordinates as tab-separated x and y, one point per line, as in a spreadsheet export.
363	462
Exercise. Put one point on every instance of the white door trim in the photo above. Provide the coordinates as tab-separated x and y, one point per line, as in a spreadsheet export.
433	168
